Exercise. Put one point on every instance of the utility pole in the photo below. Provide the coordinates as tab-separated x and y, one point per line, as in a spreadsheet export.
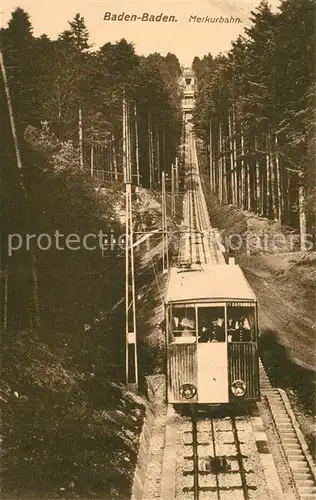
130	302
136	144
149	125
177	176
173	204
165	258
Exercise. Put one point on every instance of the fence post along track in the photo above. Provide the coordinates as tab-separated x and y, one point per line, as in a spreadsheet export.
130	299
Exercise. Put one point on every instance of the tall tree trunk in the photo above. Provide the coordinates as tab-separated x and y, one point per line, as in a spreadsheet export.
302	217
5	299
177	176
234	146
164	147
173	205
248	167
278	179
211	158
124	136
285	194
4	291
238	168
215	163
60	127
110	161
152	150
80	131
158	156
225	173
220	165
91	159
231	160
257	174
242	168
129	142
268	193
273	179
114	156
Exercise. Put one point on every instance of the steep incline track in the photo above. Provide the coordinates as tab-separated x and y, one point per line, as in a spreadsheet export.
199	243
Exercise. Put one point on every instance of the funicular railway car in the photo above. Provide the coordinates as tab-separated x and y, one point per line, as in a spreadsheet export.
211	326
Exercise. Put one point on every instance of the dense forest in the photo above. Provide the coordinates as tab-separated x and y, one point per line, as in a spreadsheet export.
255	110
67	102
69	429
78	92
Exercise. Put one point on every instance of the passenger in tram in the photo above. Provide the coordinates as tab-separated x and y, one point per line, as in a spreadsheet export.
206	334
214	333
230	329
219	330
187	326
242	332
176	323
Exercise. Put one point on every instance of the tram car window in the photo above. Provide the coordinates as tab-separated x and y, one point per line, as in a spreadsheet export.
241	324
183	324
211	324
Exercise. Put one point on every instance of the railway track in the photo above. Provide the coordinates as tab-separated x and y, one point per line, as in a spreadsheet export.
214	464
219	460
199	242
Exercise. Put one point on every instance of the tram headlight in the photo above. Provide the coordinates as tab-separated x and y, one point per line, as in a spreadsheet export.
238	388
188	391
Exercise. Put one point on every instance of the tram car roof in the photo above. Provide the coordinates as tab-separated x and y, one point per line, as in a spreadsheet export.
216	282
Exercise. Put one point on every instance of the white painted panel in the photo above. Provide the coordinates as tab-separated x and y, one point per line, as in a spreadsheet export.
212	372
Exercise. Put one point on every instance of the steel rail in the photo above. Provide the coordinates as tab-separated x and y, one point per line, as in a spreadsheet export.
240	460
214	452
196	489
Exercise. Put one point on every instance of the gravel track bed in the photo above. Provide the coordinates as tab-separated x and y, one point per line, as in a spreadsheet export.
184	436
155	457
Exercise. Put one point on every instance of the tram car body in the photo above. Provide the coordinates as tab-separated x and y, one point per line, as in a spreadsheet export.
211	327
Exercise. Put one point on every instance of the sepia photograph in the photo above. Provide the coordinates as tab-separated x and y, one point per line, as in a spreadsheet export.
157	250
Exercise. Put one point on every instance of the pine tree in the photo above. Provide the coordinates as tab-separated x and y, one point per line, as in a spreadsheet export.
77	35
17	43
